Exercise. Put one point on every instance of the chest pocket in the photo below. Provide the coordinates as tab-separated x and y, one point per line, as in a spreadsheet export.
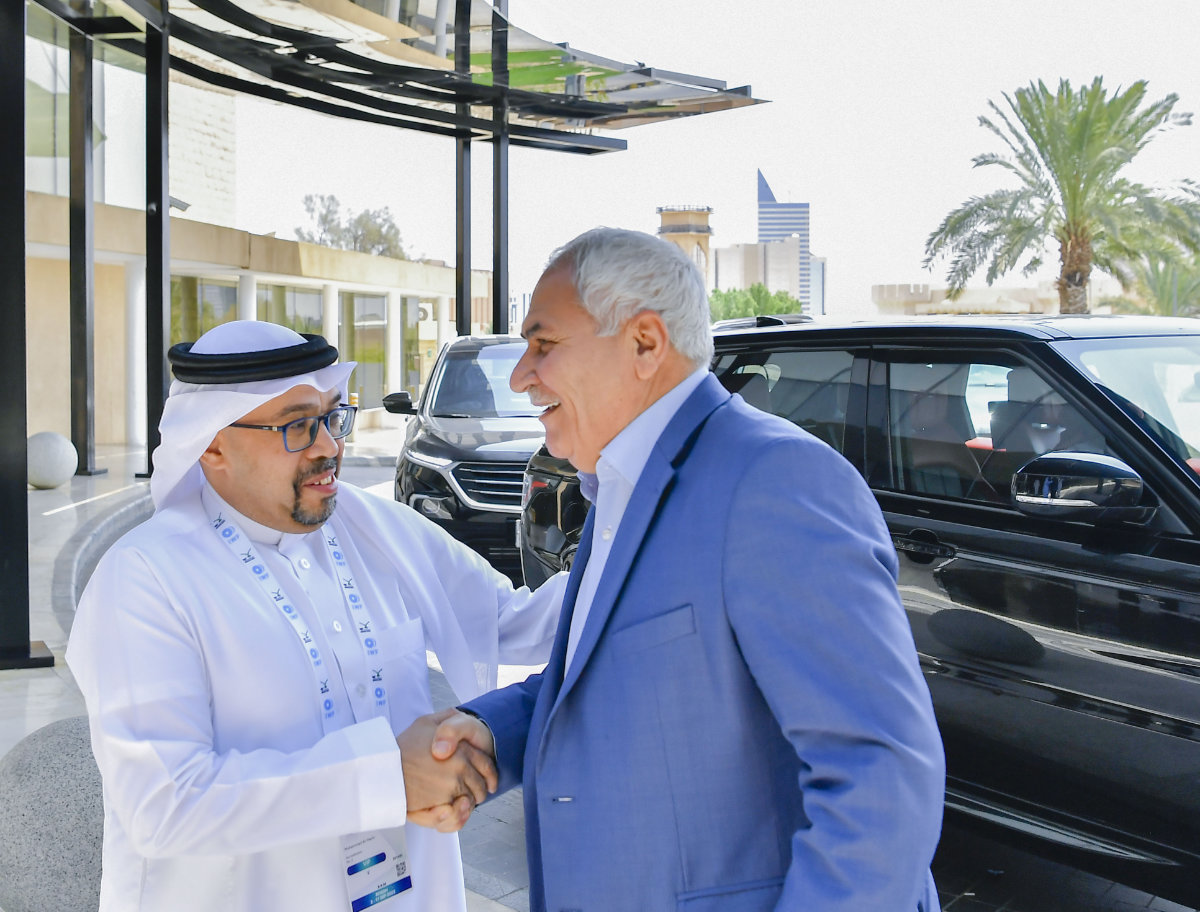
405	672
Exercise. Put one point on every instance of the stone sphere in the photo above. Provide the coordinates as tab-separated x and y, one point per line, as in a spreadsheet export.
52	459
52	827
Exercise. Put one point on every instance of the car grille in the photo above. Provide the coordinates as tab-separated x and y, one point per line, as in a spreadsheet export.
497	484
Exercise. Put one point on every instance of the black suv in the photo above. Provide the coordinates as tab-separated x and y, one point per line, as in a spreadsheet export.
1041	481
466	446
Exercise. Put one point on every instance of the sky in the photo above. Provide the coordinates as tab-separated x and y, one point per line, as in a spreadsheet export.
872	119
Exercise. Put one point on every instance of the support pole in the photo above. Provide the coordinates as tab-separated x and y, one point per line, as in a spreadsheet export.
500	169
81	329
462	172
158	232
15	649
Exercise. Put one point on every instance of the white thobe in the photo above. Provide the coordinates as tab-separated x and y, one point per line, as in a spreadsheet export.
222	789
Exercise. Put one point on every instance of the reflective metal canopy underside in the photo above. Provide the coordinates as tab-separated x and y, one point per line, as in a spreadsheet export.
392	61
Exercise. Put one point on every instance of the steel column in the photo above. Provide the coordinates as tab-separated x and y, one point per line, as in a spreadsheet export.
158	232
81	331
500	169
462	174
15	649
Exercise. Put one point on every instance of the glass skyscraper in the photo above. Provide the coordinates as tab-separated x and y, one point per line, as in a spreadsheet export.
779	221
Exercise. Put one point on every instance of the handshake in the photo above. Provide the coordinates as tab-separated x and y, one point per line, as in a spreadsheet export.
449	767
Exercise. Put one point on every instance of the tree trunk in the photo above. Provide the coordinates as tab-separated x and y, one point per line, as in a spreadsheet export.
1075	254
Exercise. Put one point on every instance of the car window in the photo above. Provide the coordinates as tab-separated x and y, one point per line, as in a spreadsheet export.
960	428
1155	380
809	388
475	384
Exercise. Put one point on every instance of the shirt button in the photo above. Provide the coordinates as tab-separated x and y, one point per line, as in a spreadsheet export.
304	564
607	533
337	626
362	690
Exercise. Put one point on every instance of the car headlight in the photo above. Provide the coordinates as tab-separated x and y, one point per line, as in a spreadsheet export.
430	462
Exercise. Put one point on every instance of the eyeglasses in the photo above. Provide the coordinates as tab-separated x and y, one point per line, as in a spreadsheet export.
302	433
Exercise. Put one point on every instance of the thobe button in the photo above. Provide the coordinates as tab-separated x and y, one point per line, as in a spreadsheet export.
606	534
337	626
304	564
362	690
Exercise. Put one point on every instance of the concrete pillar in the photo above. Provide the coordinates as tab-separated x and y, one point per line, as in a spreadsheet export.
247	299
445	326
393	377
330	314
135	352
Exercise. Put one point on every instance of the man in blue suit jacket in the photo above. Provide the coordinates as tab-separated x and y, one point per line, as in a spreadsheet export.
733	716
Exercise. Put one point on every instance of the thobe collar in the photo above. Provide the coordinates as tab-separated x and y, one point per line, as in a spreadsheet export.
255	531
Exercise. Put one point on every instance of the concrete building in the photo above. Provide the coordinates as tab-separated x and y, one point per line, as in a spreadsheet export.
780	260
918	300
389	315
687	228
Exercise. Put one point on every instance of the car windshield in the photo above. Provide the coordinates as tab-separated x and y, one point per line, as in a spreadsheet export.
474	384
1155	380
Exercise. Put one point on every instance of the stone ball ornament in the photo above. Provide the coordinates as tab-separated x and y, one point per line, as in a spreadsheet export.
52	826
52	459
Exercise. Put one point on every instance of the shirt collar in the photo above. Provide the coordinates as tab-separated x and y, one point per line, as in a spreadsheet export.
628	451
255	531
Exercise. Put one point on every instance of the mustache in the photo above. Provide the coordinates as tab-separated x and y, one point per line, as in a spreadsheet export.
324	467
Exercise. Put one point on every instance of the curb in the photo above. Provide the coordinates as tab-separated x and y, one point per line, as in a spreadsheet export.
78	557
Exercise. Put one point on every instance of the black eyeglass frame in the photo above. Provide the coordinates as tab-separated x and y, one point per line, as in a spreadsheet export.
317	421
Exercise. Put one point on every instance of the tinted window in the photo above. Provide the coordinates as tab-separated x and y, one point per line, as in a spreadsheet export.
475	384
809	388
960	428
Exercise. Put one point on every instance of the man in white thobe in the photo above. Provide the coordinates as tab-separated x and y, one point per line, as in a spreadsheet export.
252	659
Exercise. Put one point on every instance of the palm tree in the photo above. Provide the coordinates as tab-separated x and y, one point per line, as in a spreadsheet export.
1165	285
1067	150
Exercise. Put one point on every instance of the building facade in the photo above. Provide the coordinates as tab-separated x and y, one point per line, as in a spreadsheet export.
687	228
783	222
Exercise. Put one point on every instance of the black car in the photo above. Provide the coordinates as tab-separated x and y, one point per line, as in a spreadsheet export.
1041	481
467	444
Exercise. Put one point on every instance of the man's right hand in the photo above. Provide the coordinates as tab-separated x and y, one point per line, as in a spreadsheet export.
445	773
456	732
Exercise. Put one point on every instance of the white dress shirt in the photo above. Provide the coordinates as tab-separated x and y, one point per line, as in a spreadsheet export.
617	472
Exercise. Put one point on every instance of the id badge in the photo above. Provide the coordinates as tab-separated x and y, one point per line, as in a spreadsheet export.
376	869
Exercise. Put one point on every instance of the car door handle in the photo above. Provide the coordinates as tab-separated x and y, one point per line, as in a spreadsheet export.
922	547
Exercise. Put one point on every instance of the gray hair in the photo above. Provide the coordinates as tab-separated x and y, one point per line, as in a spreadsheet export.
619	273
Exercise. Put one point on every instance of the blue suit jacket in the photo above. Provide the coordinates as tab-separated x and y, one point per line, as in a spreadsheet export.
745	725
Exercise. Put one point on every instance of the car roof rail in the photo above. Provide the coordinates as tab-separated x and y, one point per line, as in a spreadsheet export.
762	320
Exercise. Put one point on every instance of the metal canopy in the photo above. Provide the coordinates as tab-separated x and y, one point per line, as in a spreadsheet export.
341	54
458	68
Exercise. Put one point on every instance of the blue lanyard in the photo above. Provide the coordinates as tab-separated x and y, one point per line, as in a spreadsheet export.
243	549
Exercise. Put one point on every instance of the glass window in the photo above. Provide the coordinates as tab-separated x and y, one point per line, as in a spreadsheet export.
197	305
295	308
810	388
475	384
362	337
961	428
1156	381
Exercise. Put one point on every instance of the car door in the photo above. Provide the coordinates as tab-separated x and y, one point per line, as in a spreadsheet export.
820	388
1063	657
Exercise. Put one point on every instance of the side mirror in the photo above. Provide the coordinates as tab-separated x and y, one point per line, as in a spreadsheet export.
399	403
1084	487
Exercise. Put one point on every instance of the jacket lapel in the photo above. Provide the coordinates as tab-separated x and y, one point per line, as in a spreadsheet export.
655	483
